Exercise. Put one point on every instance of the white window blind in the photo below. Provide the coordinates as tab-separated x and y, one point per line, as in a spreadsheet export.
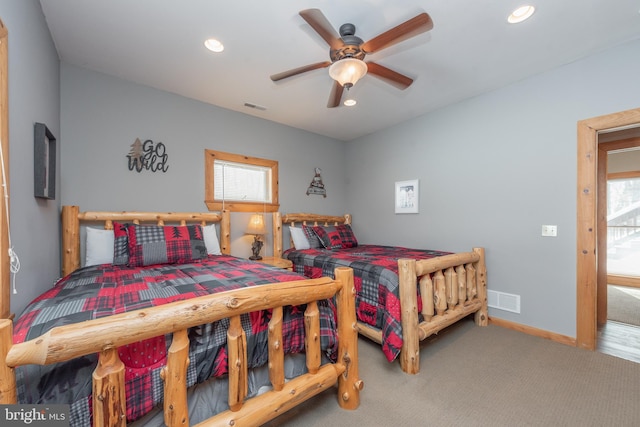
241	182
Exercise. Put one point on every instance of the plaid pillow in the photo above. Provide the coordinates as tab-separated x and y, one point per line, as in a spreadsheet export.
336	237
312	237
156	244
120	244
348	236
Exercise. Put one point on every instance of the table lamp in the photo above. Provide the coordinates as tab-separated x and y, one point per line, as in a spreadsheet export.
256	227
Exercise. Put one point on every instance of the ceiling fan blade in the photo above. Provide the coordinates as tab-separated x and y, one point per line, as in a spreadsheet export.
336	95
300	70
392	77
321	24
414	26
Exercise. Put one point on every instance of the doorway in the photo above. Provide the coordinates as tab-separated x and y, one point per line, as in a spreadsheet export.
623	207
591	222
618	301
618	210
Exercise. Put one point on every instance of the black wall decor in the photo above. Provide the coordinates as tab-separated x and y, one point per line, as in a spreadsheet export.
44	162
148	155
317	186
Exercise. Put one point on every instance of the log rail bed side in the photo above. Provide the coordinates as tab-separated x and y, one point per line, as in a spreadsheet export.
105	335
451	288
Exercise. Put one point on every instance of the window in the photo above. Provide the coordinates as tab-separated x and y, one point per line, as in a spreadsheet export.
240	183
623	224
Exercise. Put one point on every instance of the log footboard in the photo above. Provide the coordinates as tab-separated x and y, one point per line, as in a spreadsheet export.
105	335
451	287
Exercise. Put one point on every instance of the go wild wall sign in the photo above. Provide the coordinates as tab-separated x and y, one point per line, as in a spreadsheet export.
148	155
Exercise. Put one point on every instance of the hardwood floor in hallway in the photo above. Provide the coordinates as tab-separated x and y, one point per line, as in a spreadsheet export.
620	340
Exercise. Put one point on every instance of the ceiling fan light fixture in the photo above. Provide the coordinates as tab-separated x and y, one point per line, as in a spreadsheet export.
521	14
350	102
347	71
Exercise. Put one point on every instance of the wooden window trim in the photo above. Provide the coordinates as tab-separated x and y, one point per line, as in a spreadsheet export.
238	206
623	175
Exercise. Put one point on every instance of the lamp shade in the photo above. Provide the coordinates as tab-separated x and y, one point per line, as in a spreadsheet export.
347	71
256	225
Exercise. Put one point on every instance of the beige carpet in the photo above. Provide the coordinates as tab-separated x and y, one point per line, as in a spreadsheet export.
623	304
489	376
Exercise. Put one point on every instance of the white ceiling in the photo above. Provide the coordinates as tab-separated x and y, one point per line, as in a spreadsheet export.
470	50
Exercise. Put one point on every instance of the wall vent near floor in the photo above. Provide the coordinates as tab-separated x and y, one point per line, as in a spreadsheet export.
503	301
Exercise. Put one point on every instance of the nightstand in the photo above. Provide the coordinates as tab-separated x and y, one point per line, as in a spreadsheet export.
277	262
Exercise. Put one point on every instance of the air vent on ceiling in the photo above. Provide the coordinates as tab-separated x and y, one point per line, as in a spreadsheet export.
255	106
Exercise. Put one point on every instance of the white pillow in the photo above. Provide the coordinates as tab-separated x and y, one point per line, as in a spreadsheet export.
211	239
300	241
99	246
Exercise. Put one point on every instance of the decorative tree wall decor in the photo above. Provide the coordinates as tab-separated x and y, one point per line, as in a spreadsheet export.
148	155
316	186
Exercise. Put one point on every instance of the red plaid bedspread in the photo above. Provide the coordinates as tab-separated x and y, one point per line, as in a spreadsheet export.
375	270
99	291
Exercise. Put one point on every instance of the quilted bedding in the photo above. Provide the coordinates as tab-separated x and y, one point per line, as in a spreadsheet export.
99	291
375	270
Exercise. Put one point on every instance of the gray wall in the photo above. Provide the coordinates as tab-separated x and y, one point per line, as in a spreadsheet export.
492	170
101	117
34	96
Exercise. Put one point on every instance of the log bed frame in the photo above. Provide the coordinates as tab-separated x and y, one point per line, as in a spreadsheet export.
451	287
105	335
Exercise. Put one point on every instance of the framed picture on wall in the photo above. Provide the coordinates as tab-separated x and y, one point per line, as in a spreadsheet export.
44	162
407	196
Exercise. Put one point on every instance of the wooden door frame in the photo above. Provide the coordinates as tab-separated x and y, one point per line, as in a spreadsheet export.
589	244
603	276
5	276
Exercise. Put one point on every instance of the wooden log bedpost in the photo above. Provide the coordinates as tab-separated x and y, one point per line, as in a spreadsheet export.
312	331
349	384
482	315
7	375
276	350
109	400
237	364
408	282
174	375
225	232
277	234
70	239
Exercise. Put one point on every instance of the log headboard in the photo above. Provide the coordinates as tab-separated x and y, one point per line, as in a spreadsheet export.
72	219
301	218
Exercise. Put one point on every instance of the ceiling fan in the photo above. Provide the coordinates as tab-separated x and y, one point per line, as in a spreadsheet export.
347	52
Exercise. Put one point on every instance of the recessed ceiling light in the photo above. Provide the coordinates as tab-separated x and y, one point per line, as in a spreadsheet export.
520	14
214	45
350	102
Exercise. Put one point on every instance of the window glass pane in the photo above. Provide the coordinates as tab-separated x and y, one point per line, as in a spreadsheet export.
623	226
241	182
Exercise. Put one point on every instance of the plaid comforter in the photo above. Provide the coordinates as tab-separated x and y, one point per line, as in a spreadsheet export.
99	291
375	270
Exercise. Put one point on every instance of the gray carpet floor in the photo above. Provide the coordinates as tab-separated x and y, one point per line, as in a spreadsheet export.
623	304
485	376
